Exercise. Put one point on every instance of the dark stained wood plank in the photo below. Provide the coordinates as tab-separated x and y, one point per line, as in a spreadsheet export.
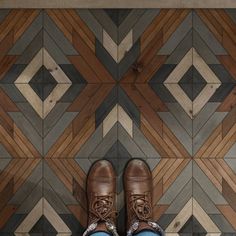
229	45
229	121
90	107
229	64
59	22
85	70
6	213
156	25
81	28
229	194
229	103
5	64
6	44
6	194
22	25
173	23
214	27
228	213
84	97
149	114
91	59
153	100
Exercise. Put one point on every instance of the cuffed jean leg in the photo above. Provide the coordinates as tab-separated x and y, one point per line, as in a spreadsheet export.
100	234
147	233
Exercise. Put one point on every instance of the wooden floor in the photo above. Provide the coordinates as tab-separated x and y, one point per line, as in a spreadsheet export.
78	85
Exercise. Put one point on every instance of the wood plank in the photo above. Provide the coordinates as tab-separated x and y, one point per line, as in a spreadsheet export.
6	122
149	114
82	25
209	141
6	44
159	210
6	194
211	148
5	64
80	138
175	174
91	59
71	170
229	194
204	219
173	23
204	168
227	146
22	145
6	213
172	146
157	191
229	121
63	146
5	136
79	213
149	70
229	63
162	172
152	99
156	25
224	141
211	164
172	169
24	22
155	139
159	166
66	31
85	70
8	146
78	104
59	170
81	28
8	105
228	213
30	147
9	172
231	177
90	107
79	194
67	132
151	50
70	19
229	45
9	22
229	102
212	25
24	172
176	143
224	21
131	75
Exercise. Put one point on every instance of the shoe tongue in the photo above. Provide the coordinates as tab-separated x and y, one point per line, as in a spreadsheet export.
101	227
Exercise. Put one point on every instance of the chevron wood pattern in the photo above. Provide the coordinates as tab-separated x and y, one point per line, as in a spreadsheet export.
78	85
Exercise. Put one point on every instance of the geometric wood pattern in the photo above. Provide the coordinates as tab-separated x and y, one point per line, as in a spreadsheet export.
78	85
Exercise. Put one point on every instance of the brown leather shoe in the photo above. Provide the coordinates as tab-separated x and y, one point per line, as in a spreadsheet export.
101	195
138	191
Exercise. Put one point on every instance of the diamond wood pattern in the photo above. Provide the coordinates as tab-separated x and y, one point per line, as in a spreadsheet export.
78	85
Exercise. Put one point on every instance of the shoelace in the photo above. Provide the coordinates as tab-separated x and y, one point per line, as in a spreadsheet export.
141	206
101	208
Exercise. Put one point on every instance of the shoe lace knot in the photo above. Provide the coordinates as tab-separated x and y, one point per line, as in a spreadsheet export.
141	206
102	207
